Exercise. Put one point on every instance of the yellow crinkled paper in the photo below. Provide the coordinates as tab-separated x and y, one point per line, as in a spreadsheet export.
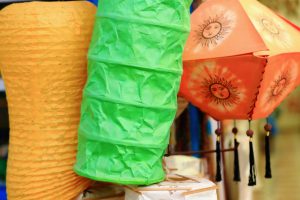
43	48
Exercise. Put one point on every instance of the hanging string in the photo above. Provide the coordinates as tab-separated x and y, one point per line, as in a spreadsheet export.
252	174
218	153
236	170
268	128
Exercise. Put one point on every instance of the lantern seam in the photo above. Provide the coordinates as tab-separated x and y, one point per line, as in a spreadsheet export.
123	142
140	105
144	21
122	64
254	101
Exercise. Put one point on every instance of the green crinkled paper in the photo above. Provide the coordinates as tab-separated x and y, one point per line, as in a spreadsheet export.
130	98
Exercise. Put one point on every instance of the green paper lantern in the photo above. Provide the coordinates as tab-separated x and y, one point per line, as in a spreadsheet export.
130	98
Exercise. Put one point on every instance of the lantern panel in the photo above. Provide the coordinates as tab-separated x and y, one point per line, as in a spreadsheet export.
278	35
219	29
279	80
226	88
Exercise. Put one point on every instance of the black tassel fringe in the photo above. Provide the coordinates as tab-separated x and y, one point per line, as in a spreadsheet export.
252	175
237	176
218	161
268	159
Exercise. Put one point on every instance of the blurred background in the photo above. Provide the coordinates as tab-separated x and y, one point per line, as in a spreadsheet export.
285	142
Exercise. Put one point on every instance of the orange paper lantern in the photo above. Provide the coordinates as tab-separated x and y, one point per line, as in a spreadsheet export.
43	47
241	59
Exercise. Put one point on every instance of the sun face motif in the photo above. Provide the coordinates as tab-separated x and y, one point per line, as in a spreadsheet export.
216	86
219	91
282	84
270	26
212	30
215	28
272	31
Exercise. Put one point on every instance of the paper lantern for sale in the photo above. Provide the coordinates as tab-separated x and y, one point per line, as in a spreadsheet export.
43	47
241	61
241	58
129	101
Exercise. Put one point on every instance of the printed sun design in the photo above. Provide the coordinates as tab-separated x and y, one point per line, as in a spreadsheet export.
214	29
272	31
216	86
270	26
281	85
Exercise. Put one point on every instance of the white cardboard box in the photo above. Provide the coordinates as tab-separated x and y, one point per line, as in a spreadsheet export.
196	189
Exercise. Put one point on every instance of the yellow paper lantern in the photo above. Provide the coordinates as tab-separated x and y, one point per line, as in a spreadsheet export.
43	47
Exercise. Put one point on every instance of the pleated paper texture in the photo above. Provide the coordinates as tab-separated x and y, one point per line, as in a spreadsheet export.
43	48
130	99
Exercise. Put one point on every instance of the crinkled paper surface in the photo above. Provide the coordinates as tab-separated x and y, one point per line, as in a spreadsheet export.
129	101
43	47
